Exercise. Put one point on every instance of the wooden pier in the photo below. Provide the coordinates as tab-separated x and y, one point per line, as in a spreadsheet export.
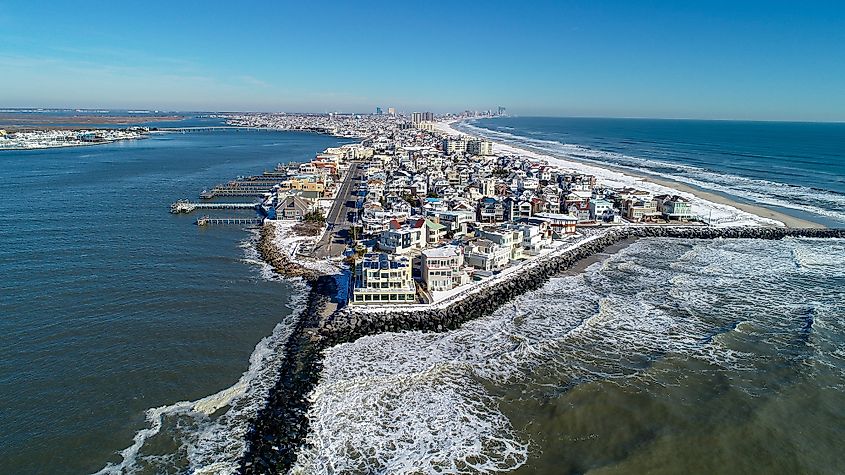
185	206
235	191
207	221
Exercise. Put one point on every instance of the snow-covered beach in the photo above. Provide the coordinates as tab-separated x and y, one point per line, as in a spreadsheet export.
717	209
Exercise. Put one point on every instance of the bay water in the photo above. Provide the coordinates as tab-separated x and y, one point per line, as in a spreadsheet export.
112	306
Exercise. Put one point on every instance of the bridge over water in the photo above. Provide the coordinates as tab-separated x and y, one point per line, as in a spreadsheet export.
212	129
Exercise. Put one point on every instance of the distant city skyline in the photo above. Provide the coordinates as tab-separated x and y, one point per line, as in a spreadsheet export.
750	60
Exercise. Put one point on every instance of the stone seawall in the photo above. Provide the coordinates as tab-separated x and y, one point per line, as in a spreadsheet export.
351	323
279	430
280	261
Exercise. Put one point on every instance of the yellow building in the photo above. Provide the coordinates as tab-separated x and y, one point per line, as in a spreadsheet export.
312	186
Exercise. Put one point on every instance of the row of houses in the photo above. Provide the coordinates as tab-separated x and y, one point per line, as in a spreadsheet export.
436	213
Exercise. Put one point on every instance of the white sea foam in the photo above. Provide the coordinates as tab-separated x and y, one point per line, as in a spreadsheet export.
439	420
820	202
658	299
210	441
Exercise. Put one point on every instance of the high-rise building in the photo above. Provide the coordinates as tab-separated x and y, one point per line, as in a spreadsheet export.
479	147
417	117
502	110
378	111
452	145
391	110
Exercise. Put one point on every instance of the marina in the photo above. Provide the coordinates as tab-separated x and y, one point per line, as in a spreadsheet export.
251	186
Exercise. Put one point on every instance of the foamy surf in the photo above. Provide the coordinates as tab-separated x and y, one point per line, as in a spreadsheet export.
625	321
824	203
210	433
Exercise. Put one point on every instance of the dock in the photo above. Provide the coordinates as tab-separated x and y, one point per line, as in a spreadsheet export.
234	191
185	206
207	221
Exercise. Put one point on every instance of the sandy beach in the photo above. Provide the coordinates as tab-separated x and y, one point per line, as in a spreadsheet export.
787	220
723	210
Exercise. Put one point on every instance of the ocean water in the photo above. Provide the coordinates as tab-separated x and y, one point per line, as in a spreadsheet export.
670	356
111	307
132	341
794	168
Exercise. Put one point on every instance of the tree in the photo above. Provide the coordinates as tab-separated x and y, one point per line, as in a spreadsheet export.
315	216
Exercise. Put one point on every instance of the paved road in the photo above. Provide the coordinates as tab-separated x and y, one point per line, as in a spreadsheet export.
332	244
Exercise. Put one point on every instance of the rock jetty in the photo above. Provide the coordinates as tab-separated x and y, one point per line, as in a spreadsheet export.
280	261
281	427
349	324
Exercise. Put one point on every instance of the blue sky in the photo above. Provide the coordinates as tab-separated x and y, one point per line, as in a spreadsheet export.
767	60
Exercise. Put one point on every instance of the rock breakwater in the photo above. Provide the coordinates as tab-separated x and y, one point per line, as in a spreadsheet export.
277	258
351	323
280	429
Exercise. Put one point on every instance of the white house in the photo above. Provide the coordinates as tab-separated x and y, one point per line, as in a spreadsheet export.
600	208
509	238
402	240
533	238
486	255
442	268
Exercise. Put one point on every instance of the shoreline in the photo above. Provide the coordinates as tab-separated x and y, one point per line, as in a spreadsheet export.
140	136
351	323
277	433
281	427
763	214
788	220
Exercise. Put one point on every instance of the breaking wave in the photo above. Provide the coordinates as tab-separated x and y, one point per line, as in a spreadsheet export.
417	402
826	203
208	436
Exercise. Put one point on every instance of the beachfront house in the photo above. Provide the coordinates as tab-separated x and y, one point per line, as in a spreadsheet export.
535	237
402	240
503	236
382	279
674	207
441	268
486	255
639	209
561	224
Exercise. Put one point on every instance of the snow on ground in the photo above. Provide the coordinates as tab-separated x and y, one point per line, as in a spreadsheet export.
446	298
325	204
720	214
297	247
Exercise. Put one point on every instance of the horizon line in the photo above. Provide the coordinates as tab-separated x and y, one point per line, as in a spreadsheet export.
142	110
